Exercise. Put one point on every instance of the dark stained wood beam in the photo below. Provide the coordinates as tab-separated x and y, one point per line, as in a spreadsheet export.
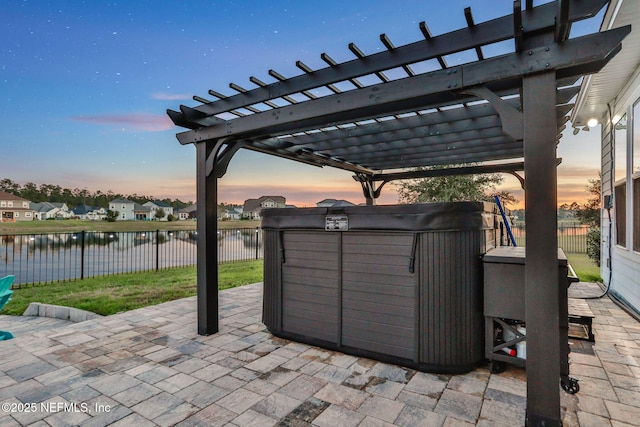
409	93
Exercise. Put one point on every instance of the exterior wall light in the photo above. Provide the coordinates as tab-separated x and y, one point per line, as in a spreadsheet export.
592	123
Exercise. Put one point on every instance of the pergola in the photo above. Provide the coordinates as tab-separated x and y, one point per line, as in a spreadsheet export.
381	115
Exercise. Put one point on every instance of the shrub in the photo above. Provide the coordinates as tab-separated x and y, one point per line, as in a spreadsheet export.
593	245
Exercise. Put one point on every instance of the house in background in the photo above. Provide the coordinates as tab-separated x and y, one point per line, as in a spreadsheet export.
333	203
142	213
612	99
188	212
233	214
89	212
156	206
14	208
252	207
124	207
51	210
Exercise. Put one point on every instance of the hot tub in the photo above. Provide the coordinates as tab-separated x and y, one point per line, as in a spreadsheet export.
401	283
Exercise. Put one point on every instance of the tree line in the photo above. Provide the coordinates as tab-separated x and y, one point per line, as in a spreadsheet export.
75	197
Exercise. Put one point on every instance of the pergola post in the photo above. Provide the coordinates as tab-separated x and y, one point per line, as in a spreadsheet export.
207	252
541	262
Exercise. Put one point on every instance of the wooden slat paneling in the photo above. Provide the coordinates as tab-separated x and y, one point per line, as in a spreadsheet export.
378	311
310	283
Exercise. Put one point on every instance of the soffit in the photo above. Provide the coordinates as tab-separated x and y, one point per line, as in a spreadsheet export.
600	89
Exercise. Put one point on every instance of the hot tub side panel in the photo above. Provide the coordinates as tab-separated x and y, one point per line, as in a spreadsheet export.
452	321
310	284
272	279
399	285
379	293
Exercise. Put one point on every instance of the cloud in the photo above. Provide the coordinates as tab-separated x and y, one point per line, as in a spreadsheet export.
578	172
171	96
134	121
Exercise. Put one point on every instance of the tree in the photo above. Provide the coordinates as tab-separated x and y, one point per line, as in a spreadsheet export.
480	187
589	214
9	186
160	213
112	216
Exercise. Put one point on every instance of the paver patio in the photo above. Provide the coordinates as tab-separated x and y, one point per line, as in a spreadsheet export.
150	367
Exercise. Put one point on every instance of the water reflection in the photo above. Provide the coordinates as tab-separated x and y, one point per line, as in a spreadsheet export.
67	256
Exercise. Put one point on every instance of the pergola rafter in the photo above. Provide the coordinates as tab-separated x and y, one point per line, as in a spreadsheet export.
486	112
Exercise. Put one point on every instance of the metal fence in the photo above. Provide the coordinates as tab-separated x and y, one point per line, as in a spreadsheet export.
44	258
571	239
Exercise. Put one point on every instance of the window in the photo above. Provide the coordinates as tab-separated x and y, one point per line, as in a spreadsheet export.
620	201
9	204
27	214
636	214
635	125
635	135
620	160
17	214
3	203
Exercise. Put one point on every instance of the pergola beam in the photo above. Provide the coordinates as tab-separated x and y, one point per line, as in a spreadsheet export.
484	33
408	94
462	170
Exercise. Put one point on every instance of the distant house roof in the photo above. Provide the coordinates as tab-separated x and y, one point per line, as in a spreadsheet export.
8	196
160	203
121	200
83	209
277	199
137	207
256	204
189	209
334	203
43	206
251	205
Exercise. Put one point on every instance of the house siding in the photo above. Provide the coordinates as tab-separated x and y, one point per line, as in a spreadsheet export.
14	208
620	273
607	188
125	209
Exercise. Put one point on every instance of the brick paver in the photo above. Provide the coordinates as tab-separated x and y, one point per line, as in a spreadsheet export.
149	367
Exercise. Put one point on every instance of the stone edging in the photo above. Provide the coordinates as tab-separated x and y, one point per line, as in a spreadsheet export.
72	314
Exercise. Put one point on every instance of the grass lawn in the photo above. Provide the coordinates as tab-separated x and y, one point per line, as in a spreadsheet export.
123	292
75	225
113	294
586	270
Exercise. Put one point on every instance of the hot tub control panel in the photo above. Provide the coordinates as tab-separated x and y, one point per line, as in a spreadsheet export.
336	223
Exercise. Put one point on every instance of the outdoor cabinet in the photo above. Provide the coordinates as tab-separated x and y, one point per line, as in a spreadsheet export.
398	283
504	309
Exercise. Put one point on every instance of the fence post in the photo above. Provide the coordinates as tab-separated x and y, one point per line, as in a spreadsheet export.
256	242
82	254
157	250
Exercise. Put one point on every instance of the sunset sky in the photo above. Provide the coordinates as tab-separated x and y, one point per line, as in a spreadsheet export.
85	85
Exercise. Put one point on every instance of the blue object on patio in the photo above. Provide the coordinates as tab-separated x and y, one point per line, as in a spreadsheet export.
505	220
5	297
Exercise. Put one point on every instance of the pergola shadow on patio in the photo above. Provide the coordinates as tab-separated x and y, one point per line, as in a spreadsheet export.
380	115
